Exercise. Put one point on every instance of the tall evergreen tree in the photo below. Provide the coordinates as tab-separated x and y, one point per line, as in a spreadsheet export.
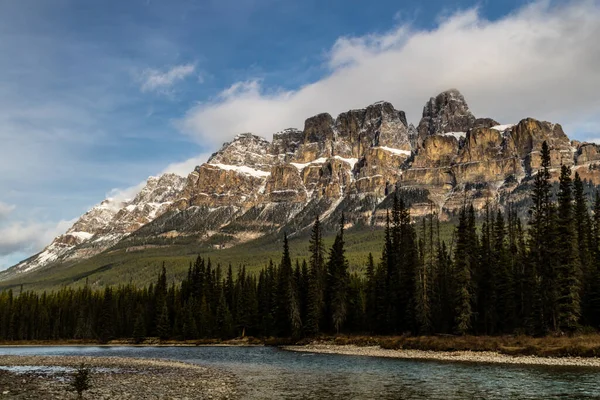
542	312
316	282
567	258
463	291
338	280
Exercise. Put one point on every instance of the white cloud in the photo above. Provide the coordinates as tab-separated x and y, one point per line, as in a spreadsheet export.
154	80
5	210
185	167
541	61
29	237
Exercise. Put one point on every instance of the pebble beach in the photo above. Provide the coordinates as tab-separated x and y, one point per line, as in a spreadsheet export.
454	356
22	377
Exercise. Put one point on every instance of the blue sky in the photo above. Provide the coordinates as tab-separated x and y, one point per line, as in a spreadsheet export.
98	95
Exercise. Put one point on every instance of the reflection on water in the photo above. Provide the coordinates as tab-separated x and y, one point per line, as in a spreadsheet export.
270	373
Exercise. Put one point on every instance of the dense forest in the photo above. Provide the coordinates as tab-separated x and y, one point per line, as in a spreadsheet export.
497	275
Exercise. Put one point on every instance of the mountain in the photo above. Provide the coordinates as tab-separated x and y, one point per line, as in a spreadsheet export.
350	164
105	224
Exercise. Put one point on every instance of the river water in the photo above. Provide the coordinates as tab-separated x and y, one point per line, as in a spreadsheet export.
271	373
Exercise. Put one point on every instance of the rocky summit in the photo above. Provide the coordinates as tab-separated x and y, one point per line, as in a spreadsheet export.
350	164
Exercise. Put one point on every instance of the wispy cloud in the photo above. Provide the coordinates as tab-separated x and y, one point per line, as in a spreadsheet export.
154	80
540	61
29	237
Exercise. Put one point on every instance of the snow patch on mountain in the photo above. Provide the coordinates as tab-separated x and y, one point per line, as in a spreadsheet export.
243	170
396	151
503	128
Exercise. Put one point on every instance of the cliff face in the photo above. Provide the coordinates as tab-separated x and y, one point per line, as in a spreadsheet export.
349	164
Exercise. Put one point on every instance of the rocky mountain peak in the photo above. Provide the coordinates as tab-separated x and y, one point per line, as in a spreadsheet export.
286	142
245	149
318	128
447	112
350	164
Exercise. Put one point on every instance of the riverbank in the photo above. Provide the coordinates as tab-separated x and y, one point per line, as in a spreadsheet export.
153	342
113	378
489	357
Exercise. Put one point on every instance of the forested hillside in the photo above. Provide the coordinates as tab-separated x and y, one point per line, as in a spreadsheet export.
503	276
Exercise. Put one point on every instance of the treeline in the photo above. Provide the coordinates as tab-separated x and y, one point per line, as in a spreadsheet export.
493	277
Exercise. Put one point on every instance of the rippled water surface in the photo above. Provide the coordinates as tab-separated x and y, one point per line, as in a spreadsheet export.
270	373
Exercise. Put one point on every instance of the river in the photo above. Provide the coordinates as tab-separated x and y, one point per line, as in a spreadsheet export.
271	373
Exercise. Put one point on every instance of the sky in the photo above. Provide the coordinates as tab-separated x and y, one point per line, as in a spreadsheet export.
97	95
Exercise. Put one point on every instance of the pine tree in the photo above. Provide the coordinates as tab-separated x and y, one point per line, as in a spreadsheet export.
139	328
407	257
541	265
286	304
338	281
462	275
316	283
371	294
584	240
505	300
190	328
593	292
163	325
224	319
568	270
106	322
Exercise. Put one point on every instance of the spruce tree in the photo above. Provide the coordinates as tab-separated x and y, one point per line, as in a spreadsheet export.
316	282
371	294
593	292
139	327
568	267
338	280
541	274
286	305
463	295
163	325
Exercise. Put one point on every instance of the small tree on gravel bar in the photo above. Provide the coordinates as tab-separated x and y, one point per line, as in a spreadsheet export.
80	381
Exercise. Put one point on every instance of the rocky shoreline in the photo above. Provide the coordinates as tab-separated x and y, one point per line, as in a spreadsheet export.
452	356
113	378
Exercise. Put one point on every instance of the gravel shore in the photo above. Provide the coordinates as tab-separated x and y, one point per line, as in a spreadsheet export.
455	356
114	378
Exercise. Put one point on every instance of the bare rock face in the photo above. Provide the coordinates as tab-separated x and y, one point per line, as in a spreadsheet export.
286	143
526	138
485	158
285	185
216	185
107	223
447	112
431	165
351	164
377	125
413	136
484	123
379	170
587	153
245	150
155	198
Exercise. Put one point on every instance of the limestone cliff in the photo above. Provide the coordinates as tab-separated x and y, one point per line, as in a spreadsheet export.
349	164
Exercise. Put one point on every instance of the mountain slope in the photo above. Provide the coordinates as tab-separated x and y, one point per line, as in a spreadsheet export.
351	164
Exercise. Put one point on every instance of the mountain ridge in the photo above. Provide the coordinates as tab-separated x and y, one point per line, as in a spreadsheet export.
351	164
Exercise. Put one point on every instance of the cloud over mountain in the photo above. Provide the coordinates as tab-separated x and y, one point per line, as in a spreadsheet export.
543	58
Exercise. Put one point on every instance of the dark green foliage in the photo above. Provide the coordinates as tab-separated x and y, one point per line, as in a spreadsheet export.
316	282
493	277
139	328
80	381
337	282
462	274
567	258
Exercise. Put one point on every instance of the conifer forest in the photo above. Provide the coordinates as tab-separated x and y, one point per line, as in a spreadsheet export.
499	274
